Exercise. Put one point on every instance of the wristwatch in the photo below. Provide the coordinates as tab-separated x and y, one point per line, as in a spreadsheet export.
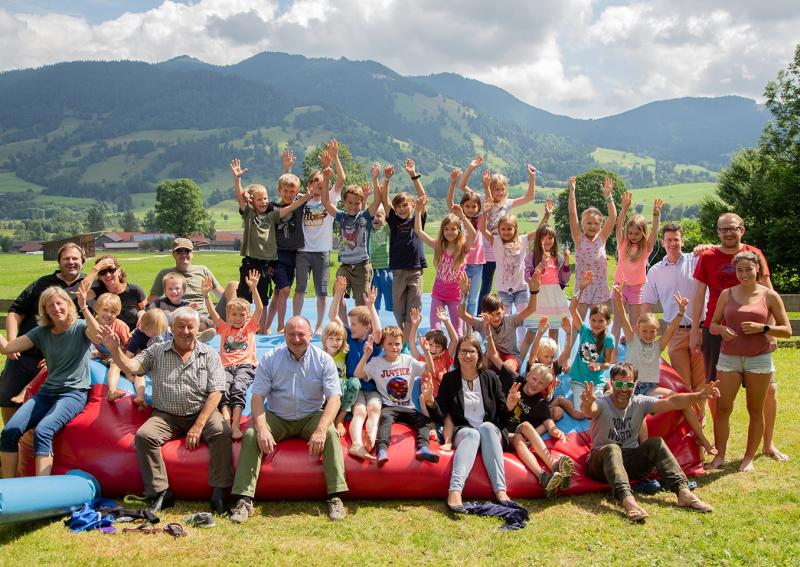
766	329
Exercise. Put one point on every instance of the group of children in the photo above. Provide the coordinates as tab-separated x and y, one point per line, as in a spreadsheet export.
381	259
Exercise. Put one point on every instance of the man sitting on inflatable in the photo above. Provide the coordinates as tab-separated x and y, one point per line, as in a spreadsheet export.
616	453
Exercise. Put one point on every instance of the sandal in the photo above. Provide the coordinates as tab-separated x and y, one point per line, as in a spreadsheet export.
697	505
637	515
778	456
175	530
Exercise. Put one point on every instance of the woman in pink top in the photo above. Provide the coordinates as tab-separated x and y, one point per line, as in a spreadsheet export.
590	244
742	318
449	251
634	246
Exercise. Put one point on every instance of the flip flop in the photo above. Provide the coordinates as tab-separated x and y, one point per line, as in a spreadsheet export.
778	456
637	515
697	505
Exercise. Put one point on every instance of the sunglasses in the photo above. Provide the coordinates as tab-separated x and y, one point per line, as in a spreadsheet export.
620	384
182	252
106	272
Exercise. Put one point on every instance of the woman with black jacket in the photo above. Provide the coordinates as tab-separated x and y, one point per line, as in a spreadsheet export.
472	396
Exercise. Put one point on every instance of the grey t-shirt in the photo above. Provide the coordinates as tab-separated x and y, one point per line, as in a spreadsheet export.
505	336
613	425
67	357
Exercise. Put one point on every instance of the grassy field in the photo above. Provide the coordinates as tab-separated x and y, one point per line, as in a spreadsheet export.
609	157
755	523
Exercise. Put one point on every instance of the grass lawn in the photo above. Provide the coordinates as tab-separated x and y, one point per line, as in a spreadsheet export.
755	523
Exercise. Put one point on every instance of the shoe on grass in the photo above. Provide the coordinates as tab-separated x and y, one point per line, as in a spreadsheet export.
242	511
336	509
550	481
200	520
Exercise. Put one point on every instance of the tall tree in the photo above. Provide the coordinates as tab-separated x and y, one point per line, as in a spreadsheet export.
129	222
95	219
149	224
179	208
588	194
354	171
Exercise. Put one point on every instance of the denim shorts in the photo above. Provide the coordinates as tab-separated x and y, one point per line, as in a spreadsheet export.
644	388
760	364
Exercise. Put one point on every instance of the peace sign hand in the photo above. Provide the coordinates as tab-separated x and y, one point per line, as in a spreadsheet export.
587	396
513	396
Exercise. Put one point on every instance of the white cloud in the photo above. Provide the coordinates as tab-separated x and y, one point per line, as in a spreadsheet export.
562	55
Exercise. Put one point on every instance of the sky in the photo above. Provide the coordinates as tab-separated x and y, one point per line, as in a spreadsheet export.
582	58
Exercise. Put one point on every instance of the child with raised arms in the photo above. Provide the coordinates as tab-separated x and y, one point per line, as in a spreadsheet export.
590	236
475	258
237	348
378	249
364	327
497	205
634	246
259	248
406	254
644	354
394	374
449	255
334	342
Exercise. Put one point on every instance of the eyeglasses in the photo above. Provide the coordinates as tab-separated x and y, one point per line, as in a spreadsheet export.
468	352
728	229
182	252
620	384
106	272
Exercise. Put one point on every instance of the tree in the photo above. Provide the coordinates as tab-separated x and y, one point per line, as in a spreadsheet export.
355	172
179	208
95	219
149	224
760	184
588	194
129	222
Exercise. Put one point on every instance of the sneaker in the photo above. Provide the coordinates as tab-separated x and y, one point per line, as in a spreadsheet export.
206	336
200	520
565	466
242	511
550	481
336	509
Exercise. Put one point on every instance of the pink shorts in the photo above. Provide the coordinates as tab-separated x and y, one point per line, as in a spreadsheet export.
632	294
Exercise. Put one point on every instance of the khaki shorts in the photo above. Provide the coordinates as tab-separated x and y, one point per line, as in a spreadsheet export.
359	279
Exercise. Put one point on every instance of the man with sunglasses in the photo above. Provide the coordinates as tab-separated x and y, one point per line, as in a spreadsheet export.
617	455
21	368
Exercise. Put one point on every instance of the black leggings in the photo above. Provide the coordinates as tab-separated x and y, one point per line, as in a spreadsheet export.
410	416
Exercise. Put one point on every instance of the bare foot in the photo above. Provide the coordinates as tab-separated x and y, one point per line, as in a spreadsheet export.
717	463
280	329
446	446
775	454
18	399
341	429
633	511
746	466
361	452
236	434
687	499
369	442
318	331
115	395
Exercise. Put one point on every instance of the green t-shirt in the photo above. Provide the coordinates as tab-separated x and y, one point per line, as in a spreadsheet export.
379	247
67	357
259	240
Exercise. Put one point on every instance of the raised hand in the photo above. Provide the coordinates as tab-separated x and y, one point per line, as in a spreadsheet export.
388	171
587	395
333	147
252	279
327	172
486	178
544	322
236	168
476	162
287	157
457	210
410	167
207	285
531	171
549	205
681	301
422	202
514	396
369	346
415	316
340	285
81	292
325	158
455	174
572	181
463	283
426	389
424	345
627	199
657	205
566	254
366	187
442	314
375	170
587	278
108	337
608	187
487	324
536	279
371	296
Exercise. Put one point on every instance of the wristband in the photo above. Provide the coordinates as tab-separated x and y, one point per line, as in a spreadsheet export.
609	199
533	292
415	177
766	329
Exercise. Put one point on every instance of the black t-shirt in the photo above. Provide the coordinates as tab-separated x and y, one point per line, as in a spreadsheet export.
534	409
130	298
289	230
405	247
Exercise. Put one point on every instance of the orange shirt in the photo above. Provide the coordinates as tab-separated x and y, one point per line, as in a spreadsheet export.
237	346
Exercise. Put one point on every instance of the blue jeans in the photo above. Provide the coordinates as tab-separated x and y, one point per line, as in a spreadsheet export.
517	298
475	273
487	279
382	281
467	442
46	413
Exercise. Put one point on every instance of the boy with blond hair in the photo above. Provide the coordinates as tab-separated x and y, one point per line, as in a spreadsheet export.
107	309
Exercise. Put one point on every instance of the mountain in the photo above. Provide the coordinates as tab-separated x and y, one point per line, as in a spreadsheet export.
686	130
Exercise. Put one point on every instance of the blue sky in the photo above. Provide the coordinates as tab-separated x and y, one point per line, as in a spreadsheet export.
583	58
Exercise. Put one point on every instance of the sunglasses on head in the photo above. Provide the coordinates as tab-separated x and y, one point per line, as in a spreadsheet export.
106	272
621	384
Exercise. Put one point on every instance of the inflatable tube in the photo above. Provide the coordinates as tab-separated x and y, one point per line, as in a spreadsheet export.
32	498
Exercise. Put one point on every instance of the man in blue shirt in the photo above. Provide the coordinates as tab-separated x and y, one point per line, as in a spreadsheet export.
295	380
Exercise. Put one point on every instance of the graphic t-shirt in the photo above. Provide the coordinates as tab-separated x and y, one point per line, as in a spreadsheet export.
588	353
620	426
237	346
395	380
318	225
378	247
289	229
353	236
510	258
